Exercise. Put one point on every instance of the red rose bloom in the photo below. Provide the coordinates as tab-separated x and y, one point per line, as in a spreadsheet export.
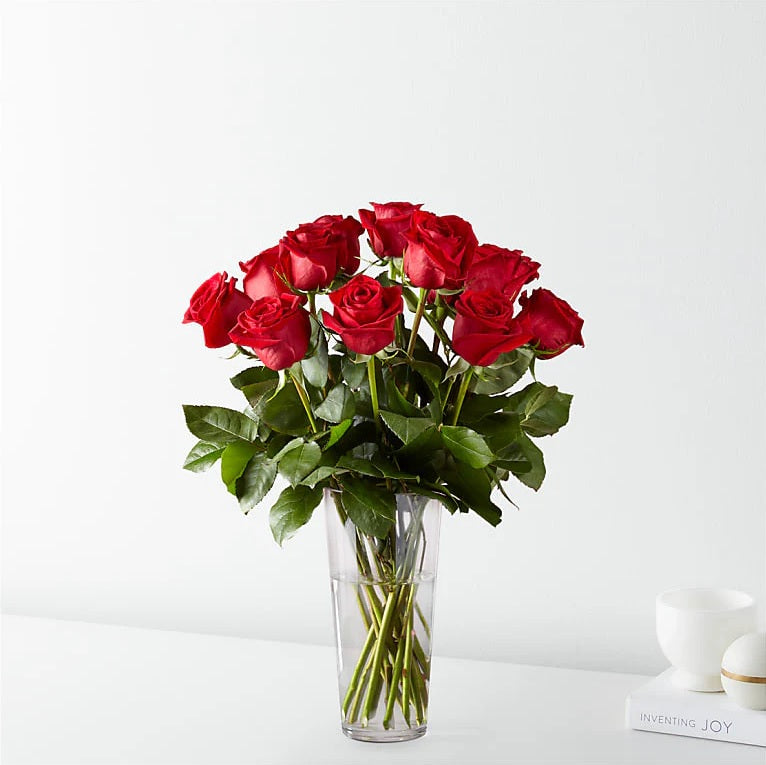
313	254
485	327
215	305
386	226
276	328
500	269
364	315
554	323
439	250
264	276
350	230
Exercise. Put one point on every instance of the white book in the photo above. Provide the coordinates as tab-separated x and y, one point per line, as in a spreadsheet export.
662	707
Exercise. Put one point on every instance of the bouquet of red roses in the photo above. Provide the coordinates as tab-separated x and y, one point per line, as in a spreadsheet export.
352	397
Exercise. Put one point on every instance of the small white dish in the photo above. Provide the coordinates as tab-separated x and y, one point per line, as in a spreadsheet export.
743	671
694	628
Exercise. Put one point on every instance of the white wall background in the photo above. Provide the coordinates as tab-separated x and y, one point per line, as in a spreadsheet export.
621	144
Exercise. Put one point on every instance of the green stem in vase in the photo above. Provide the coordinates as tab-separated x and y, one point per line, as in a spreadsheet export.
358	670
461	395
407	668
373	689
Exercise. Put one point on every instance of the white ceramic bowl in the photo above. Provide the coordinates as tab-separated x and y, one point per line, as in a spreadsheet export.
694	628
743	671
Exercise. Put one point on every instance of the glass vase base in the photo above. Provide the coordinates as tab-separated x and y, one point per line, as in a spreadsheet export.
392	736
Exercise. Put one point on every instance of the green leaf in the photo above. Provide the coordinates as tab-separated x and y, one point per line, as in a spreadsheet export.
501	430
278	444
233	463
359	433
315	367
389	470
441	495
284	447
292	510
353	373
202	457
256	393
256	481
550	418
219	425
406	428
536	474
422	447
322	472
505	372
467	446
458	367
339	405
478	406
431	374
297	463
371	508
473	487
397	402
284	412
253	375
545	409
337	432
541	396
359	465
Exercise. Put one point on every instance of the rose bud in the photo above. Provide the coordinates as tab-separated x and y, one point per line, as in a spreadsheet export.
439	250
364	314
314	253
215	305
555	325
264	276
386	226
276	328
485	327
497	268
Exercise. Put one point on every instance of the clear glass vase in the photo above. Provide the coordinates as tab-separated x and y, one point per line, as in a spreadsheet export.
383	598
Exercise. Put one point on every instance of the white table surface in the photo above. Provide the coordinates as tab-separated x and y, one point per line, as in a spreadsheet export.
88	693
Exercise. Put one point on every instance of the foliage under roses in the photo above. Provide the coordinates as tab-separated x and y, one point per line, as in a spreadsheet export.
384	411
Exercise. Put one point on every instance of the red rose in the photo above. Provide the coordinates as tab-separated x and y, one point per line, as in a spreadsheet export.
497	268
276	328
350	229
215	305
554	323
386	226
485	327
313	253
364	315
264	276
439	250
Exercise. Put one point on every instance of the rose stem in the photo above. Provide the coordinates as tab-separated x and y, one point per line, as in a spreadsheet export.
423	620
438	305
399	661
373	389
305	401
371	697
416	321
461	394
407	668
358	669
446	395
312	303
